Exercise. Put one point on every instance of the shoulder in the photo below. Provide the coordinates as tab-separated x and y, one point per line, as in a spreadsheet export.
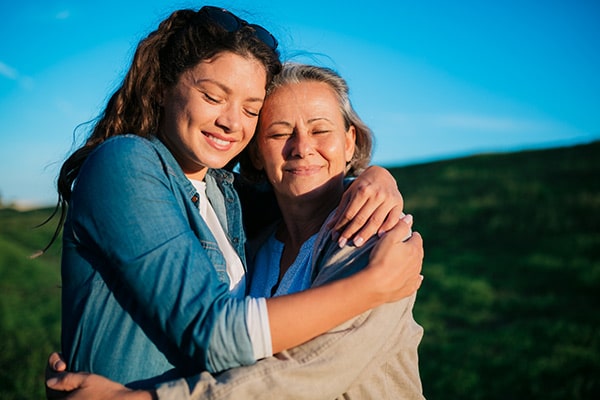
121	148
330	262
122	160
127	154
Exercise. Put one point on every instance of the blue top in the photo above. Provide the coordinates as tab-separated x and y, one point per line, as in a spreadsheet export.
145	287
265	274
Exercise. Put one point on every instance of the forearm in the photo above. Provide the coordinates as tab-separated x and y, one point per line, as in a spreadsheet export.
297	318
165	276
392	273
322	368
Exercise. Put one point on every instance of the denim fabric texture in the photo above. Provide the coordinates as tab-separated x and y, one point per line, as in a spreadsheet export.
144	286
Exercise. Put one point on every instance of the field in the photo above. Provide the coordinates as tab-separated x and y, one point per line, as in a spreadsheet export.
510	302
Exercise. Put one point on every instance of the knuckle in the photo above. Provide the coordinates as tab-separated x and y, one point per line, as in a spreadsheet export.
377	218
366	190
360	219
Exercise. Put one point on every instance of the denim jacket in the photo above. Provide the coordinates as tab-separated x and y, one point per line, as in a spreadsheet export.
145	288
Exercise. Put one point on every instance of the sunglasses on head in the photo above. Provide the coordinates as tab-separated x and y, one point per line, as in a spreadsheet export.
231	23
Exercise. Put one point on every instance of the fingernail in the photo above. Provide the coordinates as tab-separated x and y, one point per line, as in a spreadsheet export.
51	382
342	242
59	364
408	219
358	241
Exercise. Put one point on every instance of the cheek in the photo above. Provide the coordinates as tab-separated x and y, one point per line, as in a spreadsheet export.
272	161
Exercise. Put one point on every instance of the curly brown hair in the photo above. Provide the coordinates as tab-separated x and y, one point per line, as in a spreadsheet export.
181	41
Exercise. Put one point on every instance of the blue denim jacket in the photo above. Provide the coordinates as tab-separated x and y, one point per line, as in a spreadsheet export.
145	288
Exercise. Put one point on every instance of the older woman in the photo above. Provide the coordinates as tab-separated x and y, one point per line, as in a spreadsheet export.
309	139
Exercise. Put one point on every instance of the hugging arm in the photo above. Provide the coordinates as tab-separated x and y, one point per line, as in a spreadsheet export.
371	204
156	270
348	359
332	363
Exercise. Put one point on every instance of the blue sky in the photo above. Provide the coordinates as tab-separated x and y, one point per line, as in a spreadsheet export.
434	79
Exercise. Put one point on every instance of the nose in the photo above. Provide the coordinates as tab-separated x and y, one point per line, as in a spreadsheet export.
230	118
301	145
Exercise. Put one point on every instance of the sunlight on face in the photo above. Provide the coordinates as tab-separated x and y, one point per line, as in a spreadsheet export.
210	115
302	143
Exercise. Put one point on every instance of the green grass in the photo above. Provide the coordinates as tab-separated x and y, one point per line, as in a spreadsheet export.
510	302
29	304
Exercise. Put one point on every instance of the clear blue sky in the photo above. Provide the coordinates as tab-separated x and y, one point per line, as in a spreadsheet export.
434	79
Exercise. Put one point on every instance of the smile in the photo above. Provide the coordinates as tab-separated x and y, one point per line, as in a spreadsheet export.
217	142
304	171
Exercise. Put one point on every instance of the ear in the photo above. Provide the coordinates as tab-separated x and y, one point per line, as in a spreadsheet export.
350	143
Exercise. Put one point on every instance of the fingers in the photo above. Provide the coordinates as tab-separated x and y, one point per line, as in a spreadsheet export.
371	205
56	363
397	262
67	381
348	208
402	231
392	219
363	219
363	223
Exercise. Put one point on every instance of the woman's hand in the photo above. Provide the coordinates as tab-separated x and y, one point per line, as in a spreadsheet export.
372	204
85	386
396	261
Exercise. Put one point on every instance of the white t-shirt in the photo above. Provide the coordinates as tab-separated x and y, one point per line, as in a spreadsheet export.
257	317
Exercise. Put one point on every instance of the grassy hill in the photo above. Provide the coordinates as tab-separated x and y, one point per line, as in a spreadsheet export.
511	297
512	279
29	303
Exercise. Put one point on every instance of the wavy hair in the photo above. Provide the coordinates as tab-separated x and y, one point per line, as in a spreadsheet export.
180	42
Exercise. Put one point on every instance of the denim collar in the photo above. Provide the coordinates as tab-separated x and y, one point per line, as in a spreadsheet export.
221	176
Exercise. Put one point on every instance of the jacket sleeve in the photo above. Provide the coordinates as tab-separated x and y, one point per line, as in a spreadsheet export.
352	360
124	209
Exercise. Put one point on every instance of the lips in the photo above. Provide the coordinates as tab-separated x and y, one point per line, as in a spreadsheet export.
304	170
218	143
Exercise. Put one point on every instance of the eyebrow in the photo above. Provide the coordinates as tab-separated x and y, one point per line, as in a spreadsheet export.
227	89
290	125
284	123
319	119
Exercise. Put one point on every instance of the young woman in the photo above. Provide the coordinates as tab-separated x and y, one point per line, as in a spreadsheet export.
153	246
309	138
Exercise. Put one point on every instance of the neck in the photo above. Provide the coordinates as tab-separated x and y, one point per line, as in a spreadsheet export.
303	216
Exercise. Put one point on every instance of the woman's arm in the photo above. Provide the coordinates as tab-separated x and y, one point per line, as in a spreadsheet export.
306	371
393	273
152	258
371	205
128	209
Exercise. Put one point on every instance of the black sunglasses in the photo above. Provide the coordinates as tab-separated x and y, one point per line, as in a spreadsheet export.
231	23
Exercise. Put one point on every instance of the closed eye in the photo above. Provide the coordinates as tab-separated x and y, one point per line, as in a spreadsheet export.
281	135
211	99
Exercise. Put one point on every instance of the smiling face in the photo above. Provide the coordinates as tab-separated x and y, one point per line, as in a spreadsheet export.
210	115
302	142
